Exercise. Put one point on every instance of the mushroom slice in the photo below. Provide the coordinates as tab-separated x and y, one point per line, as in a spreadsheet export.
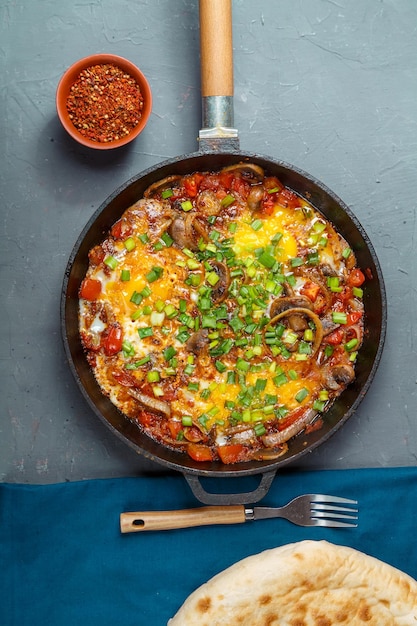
220	289
197	342
328	325
186	231
289	302
307	313
255	197
271	440
249	171
208	203
160	185
337	377
153	404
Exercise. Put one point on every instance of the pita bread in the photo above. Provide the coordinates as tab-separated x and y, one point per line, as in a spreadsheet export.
309	583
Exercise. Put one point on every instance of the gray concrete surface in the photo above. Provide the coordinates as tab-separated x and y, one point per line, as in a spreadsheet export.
328	85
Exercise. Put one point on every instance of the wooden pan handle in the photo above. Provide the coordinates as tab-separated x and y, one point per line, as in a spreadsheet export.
186	518
216	48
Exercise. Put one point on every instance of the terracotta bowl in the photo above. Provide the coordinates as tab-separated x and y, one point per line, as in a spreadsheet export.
110	137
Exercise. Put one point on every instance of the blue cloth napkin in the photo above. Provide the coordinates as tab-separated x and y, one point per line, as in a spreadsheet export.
65	562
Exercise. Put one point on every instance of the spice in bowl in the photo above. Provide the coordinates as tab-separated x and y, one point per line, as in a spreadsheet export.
103	101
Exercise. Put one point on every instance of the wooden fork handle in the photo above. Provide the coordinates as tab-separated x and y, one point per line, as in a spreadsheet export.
167	520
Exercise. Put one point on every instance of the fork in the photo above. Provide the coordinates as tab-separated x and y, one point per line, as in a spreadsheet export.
306	510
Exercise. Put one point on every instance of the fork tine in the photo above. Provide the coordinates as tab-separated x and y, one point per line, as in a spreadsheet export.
332	524
318	497
328	507
325	515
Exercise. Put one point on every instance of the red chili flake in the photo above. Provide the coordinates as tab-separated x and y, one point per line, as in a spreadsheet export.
105	103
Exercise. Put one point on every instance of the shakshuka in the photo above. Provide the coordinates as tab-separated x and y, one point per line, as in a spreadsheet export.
223	314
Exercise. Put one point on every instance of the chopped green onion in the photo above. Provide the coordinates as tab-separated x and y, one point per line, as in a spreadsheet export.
296	261
204	304
169	352
157	319
346	253
128	349
242	365
308	334
136	364
170	311
155	273
186	420
220	367
187	205
136	298
208	321
279	380
214	235
246	416
350	345
212	278
319	226
313	258
357	292
189	369
231	378
129	244
328	351
136	315
146	331
167	193
193	386
302	394
260	384
146	291
236	324
338	317
257	225
111	262
125	275
259	429
167	239
227	201
153	376
144	238
183	336
266	259
304	348
333	284
193	264
318	405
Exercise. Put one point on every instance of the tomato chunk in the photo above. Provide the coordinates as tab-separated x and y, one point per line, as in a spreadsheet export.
354	317
356	278
199	452
230	453
311	290
90	289
335	337
112	339
175	428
